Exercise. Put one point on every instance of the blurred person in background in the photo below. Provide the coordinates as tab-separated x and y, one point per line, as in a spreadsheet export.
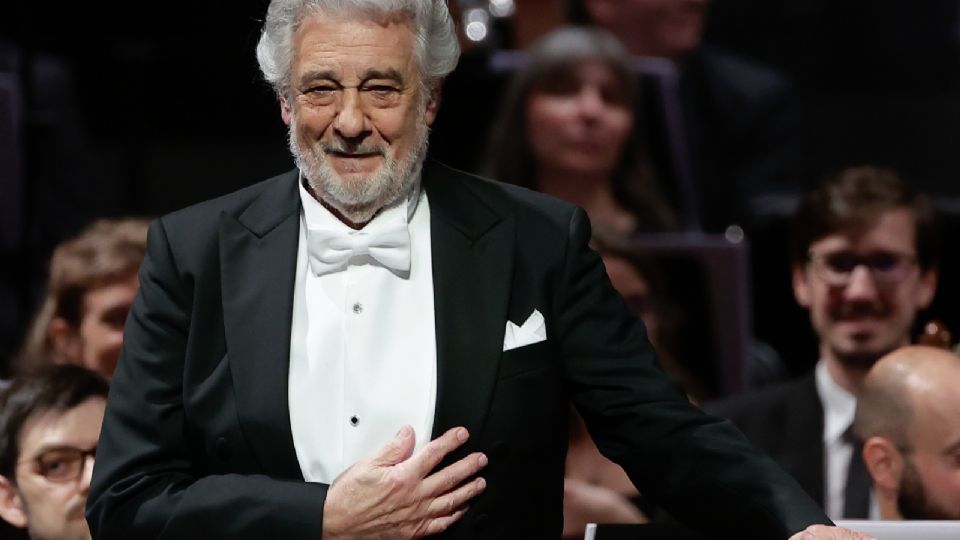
908	418
49	426
864	263
567	127
93	280
721	131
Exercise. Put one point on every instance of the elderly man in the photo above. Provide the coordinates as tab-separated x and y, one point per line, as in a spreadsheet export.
864	263
375	346
49	424
908	417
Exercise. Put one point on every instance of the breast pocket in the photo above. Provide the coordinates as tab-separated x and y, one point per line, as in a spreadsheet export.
527	359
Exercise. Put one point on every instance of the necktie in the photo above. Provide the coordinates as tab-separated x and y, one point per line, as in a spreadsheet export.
856	493
331	250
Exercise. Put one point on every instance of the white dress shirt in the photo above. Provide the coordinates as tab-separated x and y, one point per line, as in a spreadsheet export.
362	346
839	408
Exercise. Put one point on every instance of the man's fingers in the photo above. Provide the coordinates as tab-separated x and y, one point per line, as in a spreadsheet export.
440	524
448	503
398	449
433	453
824	532
453	475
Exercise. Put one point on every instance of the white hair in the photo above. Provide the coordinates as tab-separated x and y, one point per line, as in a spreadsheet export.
436	48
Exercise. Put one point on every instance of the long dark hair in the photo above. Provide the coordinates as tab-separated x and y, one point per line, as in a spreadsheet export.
509	155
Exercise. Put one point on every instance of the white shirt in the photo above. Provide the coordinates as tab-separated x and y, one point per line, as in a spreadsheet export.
362	346
839	408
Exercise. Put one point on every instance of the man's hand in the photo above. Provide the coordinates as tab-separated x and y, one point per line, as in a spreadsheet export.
391	496
822	532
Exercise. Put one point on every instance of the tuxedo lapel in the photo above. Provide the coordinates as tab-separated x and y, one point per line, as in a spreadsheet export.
258	254
805	434
472	249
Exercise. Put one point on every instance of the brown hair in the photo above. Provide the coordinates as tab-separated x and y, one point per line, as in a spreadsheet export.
106	251
853	200
510	158
52	388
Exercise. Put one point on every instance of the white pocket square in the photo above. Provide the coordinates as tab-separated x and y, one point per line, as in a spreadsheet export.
533	330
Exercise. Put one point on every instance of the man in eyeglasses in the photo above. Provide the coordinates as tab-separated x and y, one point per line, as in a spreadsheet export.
864	261
49	426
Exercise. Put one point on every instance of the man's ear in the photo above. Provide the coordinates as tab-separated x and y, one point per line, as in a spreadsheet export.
884	463
801	289
927	287
433	104
285	111
11	505
65	339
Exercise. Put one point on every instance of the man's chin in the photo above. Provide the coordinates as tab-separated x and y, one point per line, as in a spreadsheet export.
860	355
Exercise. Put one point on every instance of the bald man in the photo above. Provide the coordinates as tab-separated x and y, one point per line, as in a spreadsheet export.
908	416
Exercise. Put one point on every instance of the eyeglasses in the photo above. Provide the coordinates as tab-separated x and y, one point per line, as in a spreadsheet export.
63	463
885	267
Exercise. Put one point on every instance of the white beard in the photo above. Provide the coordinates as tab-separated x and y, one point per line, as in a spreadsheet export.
360	200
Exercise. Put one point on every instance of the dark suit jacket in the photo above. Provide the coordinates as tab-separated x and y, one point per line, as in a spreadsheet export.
786	422
196	440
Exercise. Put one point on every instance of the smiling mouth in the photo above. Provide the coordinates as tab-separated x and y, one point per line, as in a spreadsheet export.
354	155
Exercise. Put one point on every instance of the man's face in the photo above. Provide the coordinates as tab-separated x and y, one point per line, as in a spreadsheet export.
357	112
101	328
930	481
663	28
869	315
54	510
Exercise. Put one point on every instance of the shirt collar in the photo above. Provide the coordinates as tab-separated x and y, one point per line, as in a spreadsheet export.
839	405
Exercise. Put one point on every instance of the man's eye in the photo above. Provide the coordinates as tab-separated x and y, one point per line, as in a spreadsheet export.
842	262
883	261
382	91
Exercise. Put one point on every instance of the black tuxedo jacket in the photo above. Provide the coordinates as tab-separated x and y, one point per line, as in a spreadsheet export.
786	422
196	442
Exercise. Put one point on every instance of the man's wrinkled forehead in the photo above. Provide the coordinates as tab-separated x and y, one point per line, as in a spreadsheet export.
382	17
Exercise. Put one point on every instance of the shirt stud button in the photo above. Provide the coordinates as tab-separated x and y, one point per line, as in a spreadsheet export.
354	420
357	308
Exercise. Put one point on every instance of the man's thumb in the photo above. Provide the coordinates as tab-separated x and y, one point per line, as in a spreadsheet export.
398	449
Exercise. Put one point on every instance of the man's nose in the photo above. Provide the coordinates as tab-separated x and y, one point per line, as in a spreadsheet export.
351	120
862	284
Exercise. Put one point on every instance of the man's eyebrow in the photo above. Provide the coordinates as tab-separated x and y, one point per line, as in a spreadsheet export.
389	74
317	74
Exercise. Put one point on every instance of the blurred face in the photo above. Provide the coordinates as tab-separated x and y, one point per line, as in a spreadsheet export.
101	329
864	291
357	115
579	122
662	28
930	482
53	505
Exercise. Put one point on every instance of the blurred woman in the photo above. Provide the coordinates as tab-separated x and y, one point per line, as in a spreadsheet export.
567	127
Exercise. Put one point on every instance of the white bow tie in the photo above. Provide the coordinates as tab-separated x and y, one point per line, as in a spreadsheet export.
332	250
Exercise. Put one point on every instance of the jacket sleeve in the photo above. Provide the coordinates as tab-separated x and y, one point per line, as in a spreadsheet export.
698	467
146	482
